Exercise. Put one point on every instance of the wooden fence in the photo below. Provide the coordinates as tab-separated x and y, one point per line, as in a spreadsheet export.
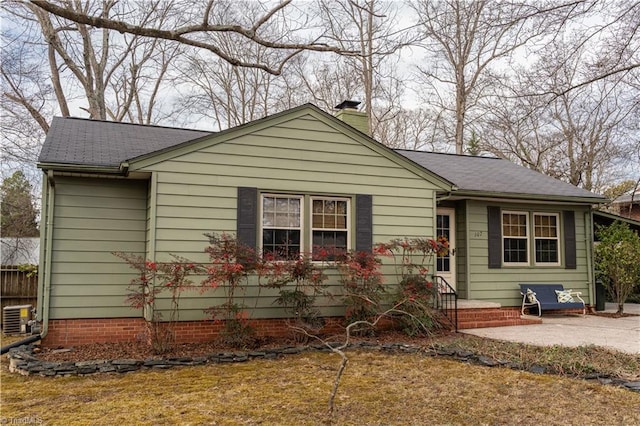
17	288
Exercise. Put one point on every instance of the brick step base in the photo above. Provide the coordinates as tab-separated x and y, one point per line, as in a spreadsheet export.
492	317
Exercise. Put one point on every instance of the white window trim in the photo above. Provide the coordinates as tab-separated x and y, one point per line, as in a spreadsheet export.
310	218
528	237
557	238
261	219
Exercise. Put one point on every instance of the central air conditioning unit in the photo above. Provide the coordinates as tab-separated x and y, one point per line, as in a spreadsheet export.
15	319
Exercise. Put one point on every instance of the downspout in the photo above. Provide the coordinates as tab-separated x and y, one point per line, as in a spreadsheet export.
41	257
49	245
588	227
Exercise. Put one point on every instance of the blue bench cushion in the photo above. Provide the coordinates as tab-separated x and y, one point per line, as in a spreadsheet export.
546	296
558	305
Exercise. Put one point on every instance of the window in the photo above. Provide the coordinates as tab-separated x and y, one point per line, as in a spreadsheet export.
546	236
281	226
512	235
515	237
284	224
329	224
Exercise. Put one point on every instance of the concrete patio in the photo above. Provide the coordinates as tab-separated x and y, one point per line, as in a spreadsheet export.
621	334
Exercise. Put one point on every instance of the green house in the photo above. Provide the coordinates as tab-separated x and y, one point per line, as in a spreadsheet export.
155	191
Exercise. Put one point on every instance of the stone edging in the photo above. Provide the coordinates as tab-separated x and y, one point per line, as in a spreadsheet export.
23	361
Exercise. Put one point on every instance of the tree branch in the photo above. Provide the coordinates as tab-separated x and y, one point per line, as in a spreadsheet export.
180	34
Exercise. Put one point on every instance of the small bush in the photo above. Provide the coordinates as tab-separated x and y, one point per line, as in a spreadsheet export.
618	261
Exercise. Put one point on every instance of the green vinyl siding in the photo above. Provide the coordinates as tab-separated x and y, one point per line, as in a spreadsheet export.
92	219
197	193
501	285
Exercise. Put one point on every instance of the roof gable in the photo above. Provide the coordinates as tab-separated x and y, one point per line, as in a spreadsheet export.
77	143
210	139
494	176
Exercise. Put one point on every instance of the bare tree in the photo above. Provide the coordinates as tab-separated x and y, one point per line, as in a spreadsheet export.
24	102
465	40
194	25
579	136
614	40
229	95
51	66
323	83
413	129
373	29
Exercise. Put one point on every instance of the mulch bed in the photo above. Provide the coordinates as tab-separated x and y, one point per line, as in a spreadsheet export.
141	351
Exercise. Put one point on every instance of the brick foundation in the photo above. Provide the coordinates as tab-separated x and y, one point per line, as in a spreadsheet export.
116	330
106	330
98	330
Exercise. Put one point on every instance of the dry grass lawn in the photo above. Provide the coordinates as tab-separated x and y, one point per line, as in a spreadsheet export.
377	388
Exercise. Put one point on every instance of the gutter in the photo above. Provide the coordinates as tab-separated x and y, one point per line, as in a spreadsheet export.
124	168
505	196
448	195
82	168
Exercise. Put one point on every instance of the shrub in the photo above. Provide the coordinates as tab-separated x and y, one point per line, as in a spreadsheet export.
618	261
363	288
301	282
415	295
231	263
153	279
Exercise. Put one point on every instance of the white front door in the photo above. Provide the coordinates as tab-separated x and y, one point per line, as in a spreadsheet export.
445	226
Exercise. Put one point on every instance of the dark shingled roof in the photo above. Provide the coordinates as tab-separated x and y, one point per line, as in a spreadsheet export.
106	143
78	141
494	175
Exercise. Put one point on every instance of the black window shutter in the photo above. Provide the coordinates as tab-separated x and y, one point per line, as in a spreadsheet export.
364	222
247	216
494	237
569	225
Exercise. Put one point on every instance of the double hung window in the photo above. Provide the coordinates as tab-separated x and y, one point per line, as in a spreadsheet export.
516	234
287	231
515	237
281	226
546	236
329	225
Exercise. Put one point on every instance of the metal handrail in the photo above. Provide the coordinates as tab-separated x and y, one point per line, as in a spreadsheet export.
447	300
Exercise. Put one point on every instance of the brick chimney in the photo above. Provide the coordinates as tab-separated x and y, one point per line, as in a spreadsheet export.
348	112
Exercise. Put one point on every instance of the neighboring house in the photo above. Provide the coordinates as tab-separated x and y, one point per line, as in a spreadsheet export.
156	190
602	218
628	205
